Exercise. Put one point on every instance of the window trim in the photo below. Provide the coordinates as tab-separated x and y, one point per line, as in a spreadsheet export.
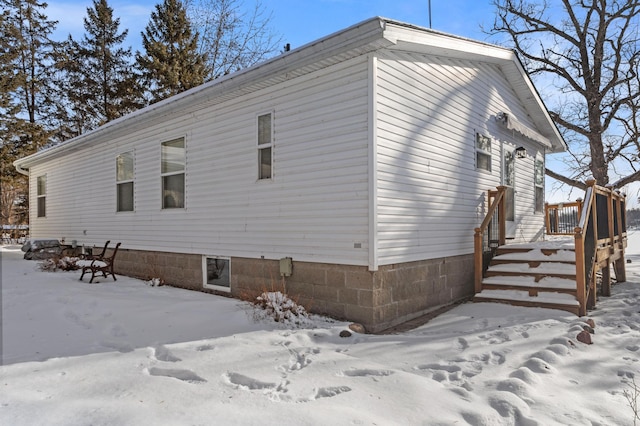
42	196
205	284
538	208
126	181
182	172
485	152
264	146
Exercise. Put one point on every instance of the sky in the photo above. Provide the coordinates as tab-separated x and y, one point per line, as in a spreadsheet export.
303	21
125	353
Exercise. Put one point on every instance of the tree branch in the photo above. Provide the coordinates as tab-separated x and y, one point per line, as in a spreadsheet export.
564	179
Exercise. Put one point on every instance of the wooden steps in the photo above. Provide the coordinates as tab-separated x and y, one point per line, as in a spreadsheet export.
535	275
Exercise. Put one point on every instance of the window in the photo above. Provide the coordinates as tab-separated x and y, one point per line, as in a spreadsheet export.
265	146
124	182
172	171
483	152
509	180
216	273
42	196
539	184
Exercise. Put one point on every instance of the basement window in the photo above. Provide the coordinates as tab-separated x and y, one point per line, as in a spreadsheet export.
265	146
483	152
217	273
42	195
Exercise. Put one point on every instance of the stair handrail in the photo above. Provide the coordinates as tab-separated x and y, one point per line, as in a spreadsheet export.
495	206
600	240
585	233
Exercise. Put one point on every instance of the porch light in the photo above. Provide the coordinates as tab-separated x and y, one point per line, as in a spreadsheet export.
521	152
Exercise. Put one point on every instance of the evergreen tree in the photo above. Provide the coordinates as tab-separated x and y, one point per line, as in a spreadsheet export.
27	98
171	63
99	77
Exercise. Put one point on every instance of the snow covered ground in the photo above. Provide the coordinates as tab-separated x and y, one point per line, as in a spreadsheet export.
124	353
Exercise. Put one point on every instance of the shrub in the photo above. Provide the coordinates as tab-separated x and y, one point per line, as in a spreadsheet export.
63	263
281	308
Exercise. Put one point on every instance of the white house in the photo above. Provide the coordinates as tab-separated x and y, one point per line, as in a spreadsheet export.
353	169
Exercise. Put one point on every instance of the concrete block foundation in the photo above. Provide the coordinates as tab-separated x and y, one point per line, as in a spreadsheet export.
377	299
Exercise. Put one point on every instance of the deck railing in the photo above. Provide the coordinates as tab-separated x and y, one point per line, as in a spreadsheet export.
490	234
562	218
597	223
600	239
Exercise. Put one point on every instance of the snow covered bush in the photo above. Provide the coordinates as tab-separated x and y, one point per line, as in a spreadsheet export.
64	263
155	282
281	308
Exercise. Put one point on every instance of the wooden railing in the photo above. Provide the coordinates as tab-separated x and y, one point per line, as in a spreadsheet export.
598	225
600	239
489	235
562	218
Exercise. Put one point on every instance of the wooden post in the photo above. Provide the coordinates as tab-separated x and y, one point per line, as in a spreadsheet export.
477	260
606	281
581	293
502	211
547	222
612	237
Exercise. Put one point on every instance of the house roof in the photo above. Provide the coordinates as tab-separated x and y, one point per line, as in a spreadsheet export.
364	37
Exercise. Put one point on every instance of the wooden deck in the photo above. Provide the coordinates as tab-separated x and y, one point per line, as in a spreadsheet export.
584	239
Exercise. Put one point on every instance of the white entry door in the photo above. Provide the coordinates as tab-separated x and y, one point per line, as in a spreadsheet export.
509	180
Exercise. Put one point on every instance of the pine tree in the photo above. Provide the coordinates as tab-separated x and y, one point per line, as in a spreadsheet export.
27	98
171	63
99	77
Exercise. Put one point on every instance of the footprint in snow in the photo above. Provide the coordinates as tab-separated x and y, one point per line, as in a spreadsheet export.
246	383
365	373
161	353
461	344
184	375
203	348
330	392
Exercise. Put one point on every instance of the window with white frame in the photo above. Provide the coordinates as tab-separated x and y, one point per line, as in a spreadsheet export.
172	172
42	195
539	184
217	274
124	182
483	152
265	146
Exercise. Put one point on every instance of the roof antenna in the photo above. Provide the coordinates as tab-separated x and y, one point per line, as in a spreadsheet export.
430	14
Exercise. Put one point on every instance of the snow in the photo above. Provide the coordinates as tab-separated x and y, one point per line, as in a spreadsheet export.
127	353
537	255
546	267
530	281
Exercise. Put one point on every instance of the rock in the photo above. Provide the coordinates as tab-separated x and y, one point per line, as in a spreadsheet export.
588	329
591	323
584	337
358	328
345	333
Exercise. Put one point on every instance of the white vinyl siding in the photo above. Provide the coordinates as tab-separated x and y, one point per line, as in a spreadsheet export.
316	210
430	195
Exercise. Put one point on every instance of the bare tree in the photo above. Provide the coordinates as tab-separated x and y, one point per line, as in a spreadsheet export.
589	51
233	38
